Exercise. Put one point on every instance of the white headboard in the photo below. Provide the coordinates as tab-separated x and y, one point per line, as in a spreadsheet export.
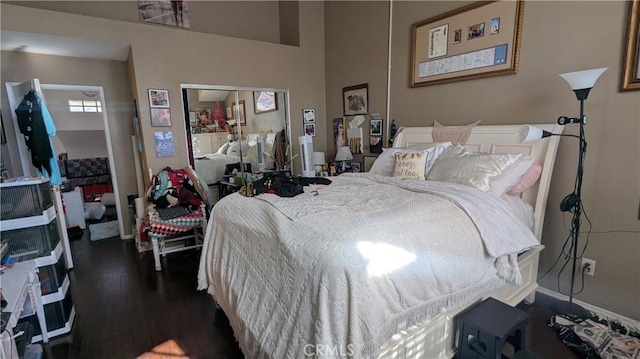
502	139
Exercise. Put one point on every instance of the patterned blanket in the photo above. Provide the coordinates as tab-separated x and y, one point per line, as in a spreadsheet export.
350	266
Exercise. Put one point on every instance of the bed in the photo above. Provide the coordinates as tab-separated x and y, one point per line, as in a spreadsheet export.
330	273
211	166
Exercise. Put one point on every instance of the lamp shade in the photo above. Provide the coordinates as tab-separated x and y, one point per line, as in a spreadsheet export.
318	158
583	79
528	133
344	154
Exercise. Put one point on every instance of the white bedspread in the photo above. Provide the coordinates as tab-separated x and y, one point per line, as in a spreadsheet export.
355	263
211	168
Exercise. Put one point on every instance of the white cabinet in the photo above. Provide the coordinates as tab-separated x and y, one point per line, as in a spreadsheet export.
29	225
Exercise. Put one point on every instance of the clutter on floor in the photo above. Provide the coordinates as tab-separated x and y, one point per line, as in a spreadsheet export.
596	337
104	230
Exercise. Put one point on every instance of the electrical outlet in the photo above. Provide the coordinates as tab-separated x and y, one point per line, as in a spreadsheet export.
588	266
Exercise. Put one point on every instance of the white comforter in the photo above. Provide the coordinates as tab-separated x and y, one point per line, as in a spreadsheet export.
350	264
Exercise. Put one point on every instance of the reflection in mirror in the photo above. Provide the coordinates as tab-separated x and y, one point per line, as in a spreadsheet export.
228	126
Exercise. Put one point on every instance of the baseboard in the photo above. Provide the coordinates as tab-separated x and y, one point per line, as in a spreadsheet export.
127	236
602	312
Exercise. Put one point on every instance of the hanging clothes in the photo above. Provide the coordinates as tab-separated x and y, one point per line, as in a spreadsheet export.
36	124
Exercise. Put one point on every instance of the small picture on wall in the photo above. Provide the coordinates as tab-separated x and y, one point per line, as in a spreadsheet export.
309	115
160	117
457	36
159	98
164	144
475	31
193	118
339	133
495	26
375	127
310	129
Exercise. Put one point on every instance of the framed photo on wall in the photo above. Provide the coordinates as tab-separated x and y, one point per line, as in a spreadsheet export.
310	129
160	117
355	100
159	98
308	115
631	66
375	127
485	41
264	101
339	133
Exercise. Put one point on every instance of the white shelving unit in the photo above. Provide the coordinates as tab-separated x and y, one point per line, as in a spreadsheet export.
32	225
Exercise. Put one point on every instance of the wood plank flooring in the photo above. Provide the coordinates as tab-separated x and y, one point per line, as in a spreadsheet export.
125	308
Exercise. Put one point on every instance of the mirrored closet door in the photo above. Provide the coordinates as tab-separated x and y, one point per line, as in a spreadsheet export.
228	126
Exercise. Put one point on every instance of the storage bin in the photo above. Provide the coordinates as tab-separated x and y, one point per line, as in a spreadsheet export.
52	276
32	242
25	198
57	315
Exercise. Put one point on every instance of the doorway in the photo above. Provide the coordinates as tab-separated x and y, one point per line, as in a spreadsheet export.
80	115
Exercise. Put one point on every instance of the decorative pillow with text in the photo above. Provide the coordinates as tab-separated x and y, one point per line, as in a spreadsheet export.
410	165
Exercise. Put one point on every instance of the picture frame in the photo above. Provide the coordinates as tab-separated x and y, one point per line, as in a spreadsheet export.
240	117
630	80
158	98
193	117
375	127
164	12
308	115
160	117
164	144
355	100
264	101
356	167
310	129
479	51
4	174
368	162
339	133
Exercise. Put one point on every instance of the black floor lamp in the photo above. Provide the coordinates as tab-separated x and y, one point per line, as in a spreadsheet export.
581	83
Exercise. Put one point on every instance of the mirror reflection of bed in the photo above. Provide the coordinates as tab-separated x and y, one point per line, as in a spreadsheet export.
224	127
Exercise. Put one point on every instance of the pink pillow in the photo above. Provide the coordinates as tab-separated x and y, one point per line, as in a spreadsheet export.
527	180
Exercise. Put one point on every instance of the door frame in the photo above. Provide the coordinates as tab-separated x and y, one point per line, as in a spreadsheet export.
287	108
107	134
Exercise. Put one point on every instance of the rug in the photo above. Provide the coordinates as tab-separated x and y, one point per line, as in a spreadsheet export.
104	230
598	337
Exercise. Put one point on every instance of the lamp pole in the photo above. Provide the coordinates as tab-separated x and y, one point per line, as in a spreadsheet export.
575	200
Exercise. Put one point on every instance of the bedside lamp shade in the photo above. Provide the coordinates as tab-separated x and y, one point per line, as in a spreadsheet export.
344	154
318	158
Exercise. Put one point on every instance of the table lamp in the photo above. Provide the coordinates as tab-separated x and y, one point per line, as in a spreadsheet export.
318	162
344	154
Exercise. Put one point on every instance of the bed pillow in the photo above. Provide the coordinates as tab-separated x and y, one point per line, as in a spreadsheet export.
234	149
458	135
410	165
223	149
458	165
384	165
511	175
527	180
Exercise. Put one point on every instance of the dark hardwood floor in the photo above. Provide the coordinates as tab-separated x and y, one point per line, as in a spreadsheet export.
125	308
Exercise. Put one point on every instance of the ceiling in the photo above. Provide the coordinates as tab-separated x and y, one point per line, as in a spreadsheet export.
62	46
